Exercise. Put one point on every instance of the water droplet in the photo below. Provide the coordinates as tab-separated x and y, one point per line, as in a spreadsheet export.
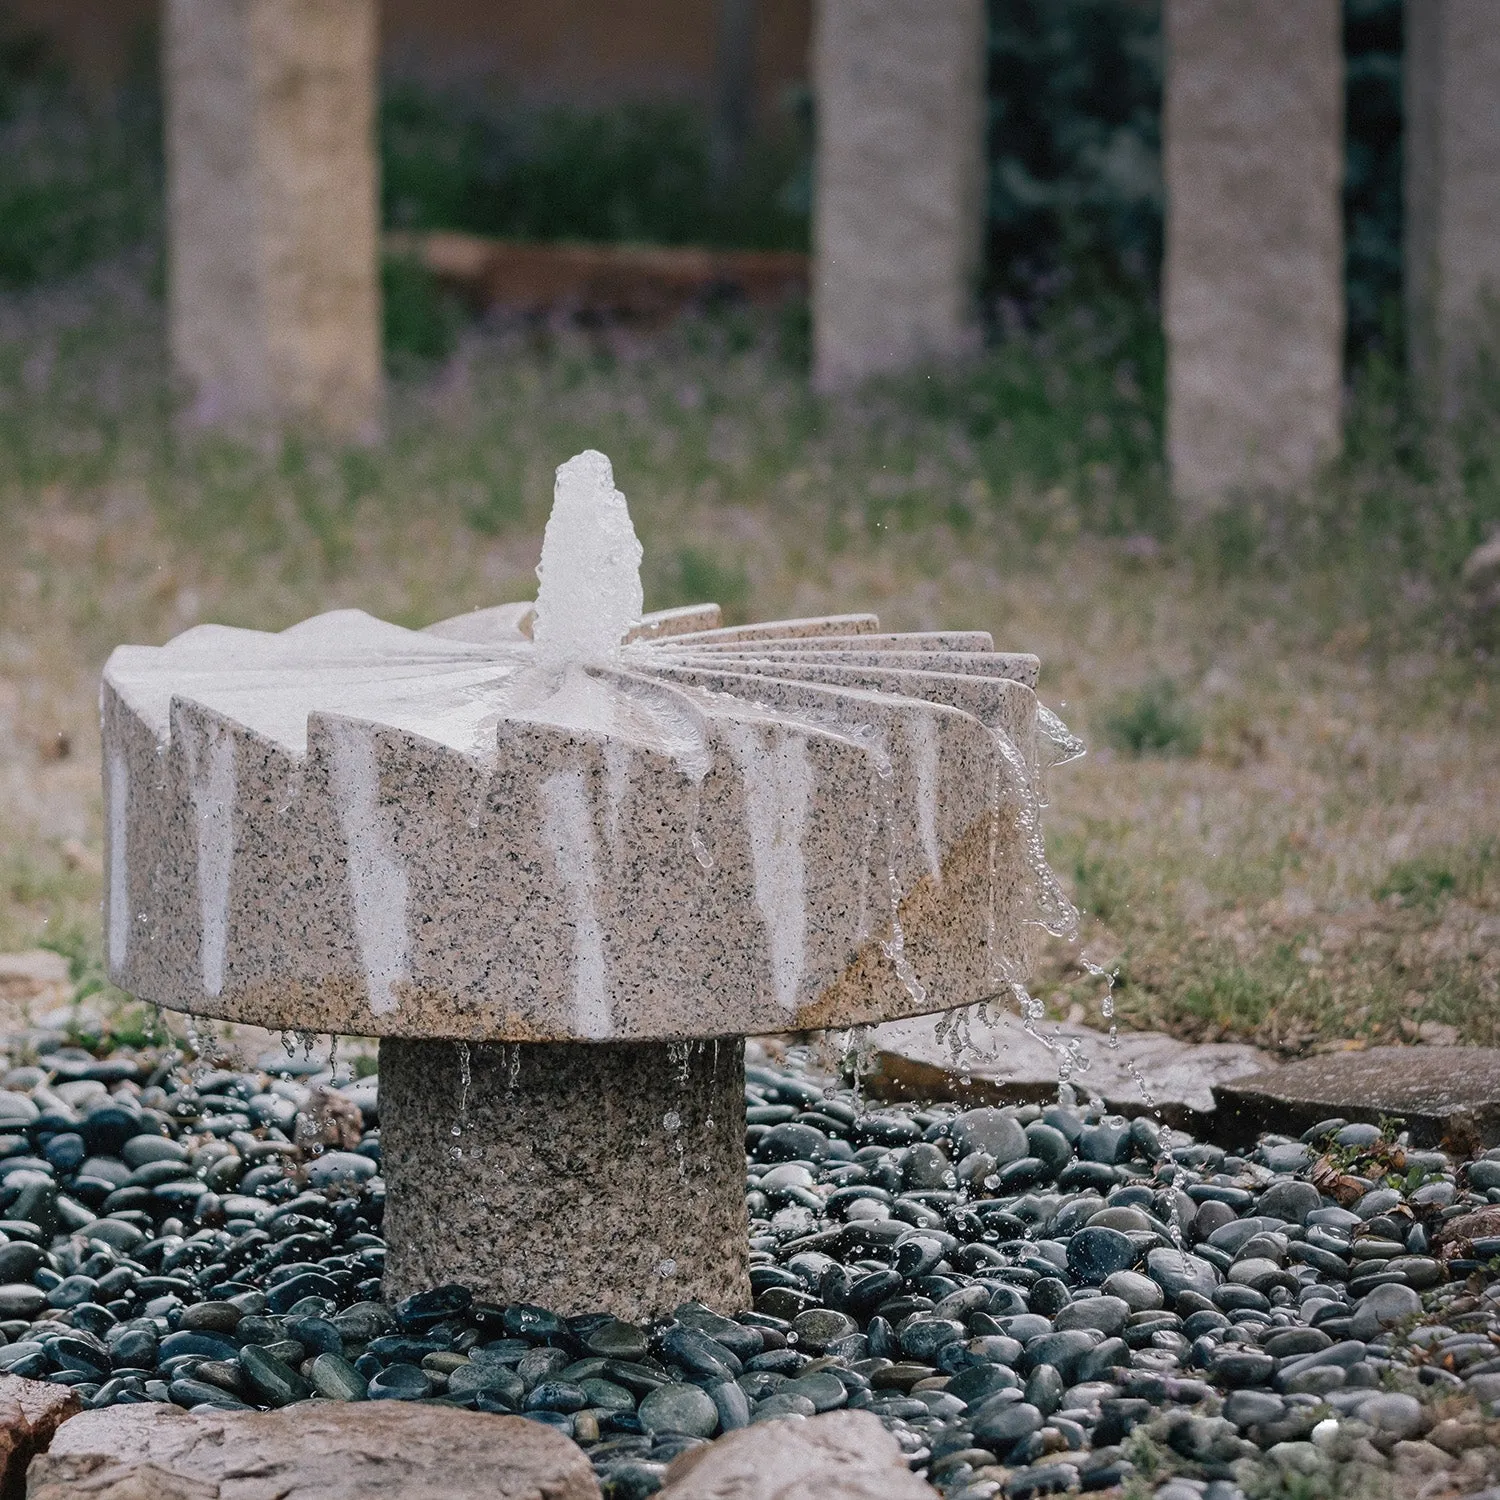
671	1121
667	1268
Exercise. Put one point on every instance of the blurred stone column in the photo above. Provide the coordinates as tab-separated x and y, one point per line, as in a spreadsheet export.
273	253
898	198
1452	187
1253	281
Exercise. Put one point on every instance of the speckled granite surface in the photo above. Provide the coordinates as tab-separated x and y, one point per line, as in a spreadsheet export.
353	827
636	1150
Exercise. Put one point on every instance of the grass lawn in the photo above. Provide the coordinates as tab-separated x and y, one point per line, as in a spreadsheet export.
1287	829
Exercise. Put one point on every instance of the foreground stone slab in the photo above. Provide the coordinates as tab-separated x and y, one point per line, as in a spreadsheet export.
1442	1093
1253	274
314	1451
900	184
273	295
30	1412
842	1455
1002	1062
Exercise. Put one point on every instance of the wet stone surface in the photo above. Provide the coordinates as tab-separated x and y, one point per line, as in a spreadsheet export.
1133	1306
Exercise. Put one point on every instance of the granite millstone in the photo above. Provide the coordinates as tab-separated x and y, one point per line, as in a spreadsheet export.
636	1148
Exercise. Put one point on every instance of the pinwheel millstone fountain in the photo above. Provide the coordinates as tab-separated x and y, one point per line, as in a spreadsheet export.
561	859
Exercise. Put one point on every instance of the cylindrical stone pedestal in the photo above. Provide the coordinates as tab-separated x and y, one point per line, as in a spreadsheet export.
582	1176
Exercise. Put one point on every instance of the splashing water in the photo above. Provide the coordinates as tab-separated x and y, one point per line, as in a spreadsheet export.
858	1055
1107	1010
465	1078
590	593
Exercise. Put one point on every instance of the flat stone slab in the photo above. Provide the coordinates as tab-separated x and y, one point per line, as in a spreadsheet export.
316	1451
1441	1093
1004	1062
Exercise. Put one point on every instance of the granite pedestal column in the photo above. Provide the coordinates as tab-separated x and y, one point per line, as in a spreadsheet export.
577	1176
898	202
1452	189
272	231
1253	283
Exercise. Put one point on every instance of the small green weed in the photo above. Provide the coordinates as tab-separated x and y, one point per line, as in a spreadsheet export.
1435	877
1153	720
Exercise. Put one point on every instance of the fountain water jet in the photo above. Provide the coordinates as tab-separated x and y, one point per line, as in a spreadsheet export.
592	849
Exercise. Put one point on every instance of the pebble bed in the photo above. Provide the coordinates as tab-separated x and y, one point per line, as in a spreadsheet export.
1033	1300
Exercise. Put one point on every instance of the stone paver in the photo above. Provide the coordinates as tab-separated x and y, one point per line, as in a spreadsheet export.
1440	1092
1005	1062
33	985
845	1455
312	1452
30	1412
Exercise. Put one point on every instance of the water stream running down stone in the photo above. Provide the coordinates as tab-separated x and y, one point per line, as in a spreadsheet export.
561	855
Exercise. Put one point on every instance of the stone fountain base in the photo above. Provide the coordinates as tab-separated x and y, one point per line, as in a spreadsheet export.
584	1177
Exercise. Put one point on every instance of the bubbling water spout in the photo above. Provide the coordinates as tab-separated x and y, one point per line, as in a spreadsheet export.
590	593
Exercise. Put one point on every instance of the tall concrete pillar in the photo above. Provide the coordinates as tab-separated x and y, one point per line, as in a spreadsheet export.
899	188
273	271
1253	284
1452	187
